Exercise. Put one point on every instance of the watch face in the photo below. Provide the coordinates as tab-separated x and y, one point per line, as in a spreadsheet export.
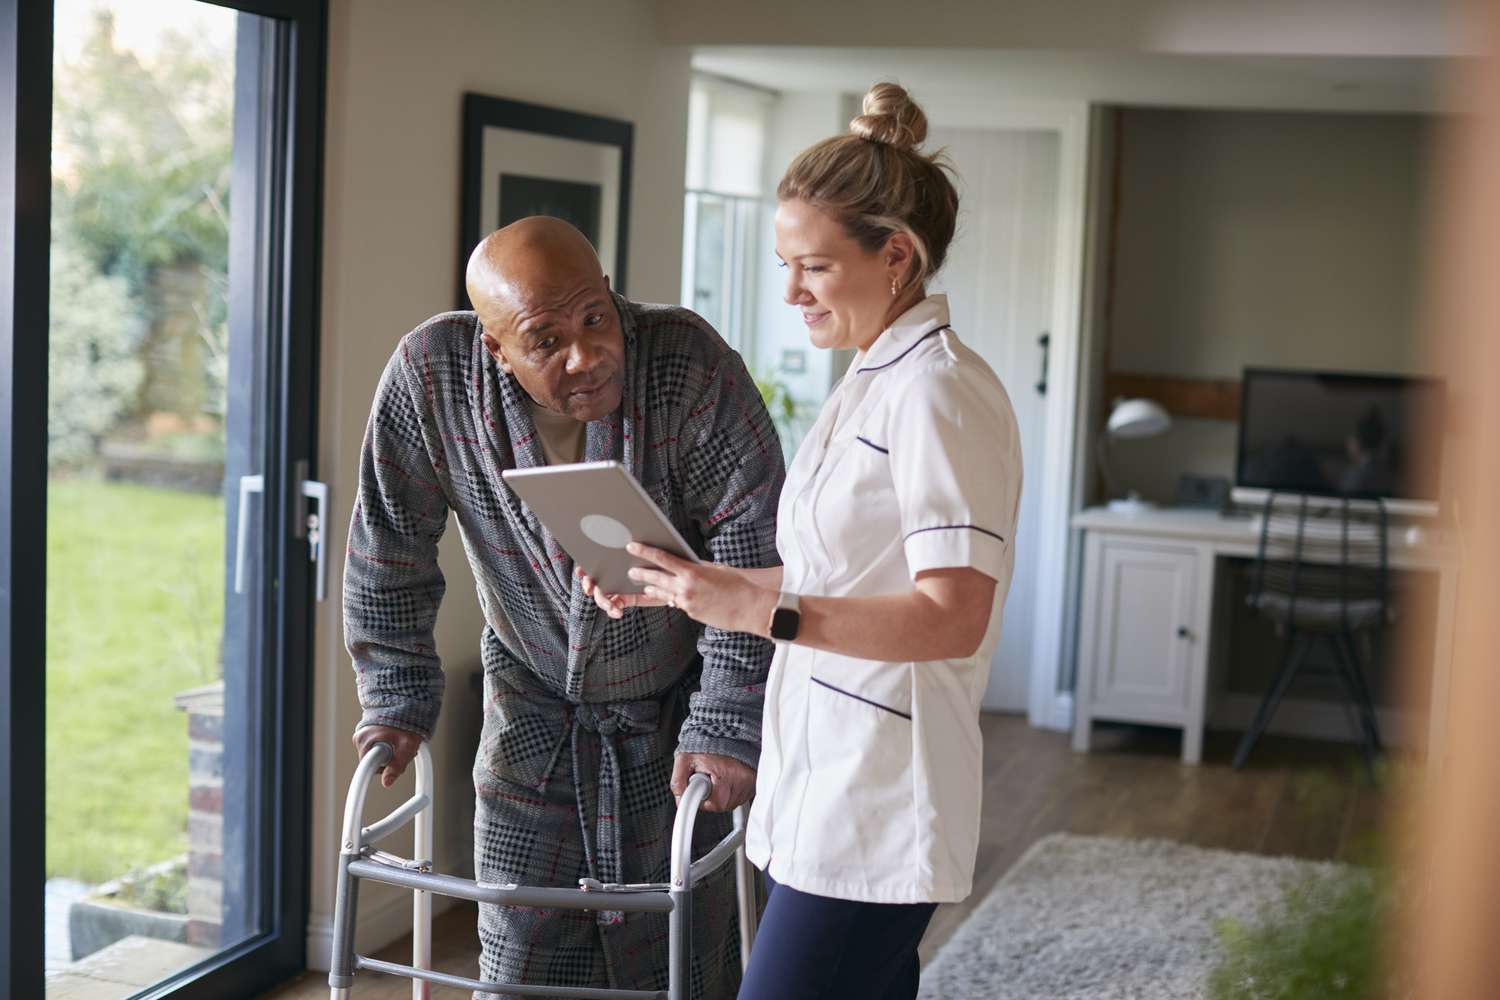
784	622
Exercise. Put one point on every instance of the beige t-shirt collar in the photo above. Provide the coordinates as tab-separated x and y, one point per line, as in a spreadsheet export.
562	437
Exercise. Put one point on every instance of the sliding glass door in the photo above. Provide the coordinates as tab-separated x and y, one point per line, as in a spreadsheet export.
154	831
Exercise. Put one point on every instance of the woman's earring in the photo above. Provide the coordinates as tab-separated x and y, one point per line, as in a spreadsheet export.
895	288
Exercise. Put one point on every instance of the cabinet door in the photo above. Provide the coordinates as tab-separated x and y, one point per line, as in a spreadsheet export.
1144	654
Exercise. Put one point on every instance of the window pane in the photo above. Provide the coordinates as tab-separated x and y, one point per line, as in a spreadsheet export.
710	297
145	794
735	138
697	158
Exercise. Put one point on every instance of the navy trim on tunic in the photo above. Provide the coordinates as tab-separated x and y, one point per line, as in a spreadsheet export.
867	701
904	353
955	527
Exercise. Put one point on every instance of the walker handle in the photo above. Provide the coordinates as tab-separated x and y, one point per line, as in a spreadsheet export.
377	755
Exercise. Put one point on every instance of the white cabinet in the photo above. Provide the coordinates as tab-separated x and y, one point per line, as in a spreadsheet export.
1154	610
1142	649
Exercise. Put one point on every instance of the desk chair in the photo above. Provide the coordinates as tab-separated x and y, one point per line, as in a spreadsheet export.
1320	575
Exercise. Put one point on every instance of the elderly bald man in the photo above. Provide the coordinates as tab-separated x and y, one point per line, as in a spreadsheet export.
593	718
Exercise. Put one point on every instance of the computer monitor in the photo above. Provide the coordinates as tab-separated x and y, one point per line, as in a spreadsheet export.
1333	434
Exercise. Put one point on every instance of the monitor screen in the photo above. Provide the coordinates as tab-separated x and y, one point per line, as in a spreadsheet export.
1340	435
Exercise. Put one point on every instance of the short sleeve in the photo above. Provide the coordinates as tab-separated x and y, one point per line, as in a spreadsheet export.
956	468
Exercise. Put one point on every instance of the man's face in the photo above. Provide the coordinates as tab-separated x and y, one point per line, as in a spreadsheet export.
564	344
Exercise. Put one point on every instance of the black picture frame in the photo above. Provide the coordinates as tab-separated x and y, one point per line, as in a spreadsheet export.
502	183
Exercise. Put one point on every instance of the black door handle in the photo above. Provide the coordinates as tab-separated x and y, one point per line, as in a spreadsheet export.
1045	343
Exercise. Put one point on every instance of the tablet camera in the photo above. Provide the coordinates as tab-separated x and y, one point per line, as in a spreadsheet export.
604	530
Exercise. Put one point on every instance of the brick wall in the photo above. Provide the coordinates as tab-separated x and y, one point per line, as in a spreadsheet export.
205	709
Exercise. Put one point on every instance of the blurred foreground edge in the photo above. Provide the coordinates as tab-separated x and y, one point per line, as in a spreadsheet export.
1448	935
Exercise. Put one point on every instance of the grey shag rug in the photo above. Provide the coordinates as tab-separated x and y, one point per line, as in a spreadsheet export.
1100	918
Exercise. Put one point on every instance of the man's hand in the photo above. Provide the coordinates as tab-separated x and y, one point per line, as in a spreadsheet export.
614	605
404	745
734	782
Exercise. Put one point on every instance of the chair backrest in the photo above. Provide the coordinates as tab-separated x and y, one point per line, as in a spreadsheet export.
1322	559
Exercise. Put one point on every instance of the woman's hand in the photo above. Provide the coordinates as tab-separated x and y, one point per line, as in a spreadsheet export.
716	595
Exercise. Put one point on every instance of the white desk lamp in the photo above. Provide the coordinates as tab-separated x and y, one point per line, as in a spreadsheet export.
1130	418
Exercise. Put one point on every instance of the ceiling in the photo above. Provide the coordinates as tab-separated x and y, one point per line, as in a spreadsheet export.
1369	84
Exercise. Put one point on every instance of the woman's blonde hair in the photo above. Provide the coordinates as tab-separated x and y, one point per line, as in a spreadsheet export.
876	183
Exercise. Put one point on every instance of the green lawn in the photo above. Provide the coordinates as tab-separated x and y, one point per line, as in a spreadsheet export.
135	599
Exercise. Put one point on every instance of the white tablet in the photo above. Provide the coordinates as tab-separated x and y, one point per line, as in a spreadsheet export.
595	509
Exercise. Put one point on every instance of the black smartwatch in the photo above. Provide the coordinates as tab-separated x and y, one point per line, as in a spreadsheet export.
787	618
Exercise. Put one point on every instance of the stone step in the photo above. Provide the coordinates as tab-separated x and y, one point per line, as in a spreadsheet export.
122	969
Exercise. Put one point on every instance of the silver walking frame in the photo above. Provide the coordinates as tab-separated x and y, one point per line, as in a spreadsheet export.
358	860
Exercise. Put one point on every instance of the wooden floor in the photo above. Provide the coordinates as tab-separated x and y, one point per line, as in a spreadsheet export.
1294	797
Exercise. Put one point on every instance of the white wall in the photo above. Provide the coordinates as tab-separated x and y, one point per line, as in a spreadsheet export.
1271	239
396	73
1219	27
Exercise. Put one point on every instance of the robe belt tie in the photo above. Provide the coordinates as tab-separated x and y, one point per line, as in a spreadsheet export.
611	722
525	730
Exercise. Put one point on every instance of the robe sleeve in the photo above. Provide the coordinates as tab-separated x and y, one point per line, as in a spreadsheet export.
392	583
732	471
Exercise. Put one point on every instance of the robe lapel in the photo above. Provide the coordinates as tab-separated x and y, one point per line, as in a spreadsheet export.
514	435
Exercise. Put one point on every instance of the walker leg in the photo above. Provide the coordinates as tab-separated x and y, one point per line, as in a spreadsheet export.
680	945
346	894
744	884
421	941
341	962
421	906
680	920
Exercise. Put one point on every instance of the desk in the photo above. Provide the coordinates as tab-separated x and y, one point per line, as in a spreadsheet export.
1148	615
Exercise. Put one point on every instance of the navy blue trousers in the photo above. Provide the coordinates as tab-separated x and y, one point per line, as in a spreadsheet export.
818	948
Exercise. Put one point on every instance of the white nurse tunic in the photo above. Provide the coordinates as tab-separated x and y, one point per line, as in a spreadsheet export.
869	780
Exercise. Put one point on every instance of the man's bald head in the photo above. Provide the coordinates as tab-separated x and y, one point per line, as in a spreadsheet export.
547	316
529	265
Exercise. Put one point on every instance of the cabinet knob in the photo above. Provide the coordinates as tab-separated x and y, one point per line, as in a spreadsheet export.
1182	632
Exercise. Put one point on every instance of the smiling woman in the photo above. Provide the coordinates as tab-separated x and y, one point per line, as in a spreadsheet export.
852	199
839	286
896	531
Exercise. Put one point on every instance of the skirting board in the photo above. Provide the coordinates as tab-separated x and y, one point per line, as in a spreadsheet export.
1056	714
386	920
1062	713
1318	720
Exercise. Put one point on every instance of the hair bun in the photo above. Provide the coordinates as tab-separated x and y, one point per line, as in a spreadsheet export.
892	117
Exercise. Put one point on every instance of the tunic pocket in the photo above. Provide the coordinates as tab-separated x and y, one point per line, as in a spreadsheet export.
858	816
858	697
884	686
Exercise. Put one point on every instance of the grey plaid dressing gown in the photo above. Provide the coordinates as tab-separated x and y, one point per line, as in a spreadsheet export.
582	713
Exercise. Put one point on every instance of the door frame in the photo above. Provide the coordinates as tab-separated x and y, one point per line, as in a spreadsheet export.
26	66
1048	706
25	243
